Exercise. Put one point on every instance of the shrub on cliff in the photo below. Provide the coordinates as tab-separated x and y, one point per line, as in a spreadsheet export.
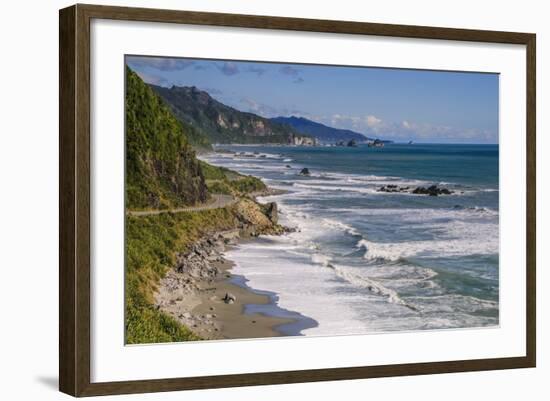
161	168
221	180
151	246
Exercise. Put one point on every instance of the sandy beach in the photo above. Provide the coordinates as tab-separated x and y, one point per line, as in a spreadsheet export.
215	304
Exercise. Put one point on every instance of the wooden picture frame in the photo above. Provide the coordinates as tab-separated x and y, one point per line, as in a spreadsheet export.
74	203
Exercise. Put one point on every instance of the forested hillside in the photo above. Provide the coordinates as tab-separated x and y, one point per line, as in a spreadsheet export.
161	168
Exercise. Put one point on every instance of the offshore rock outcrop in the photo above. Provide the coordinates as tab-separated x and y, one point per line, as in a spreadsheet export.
432	190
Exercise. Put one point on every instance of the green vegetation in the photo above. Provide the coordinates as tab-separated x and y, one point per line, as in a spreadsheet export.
211	172
151	244
196	137
221	123
221	180
248	184
161	168
162	172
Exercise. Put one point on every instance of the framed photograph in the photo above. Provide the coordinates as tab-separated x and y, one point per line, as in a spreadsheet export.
249	200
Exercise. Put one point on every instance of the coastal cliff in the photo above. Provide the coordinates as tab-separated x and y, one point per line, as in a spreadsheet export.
161	168
173	258
220	123
177	225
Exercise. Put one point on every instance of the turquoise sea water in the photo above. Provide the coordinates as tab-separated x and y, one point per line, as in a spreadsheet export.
366	261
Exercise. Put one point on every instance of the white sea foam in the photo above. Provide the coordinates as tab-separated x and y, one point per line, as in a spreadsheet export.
270	156
335	188
340	226
309	270
421	215
455	303
301	287
321	259
371	285
429	248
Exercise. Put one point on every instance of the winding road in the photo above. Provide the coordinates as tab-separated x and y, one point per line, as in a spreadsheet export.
218	201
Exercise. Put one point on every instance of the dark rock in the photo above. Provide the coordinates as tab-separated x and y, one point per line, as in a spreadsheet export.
392	188
229	298
271	212
432	190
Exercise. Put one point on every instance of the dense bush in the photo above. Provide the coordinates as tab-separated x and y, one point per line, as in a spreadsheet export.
221	180
161	168
248	184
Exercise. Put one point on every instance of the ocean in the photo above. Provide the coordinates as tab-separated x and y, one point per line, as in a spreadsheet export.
365	261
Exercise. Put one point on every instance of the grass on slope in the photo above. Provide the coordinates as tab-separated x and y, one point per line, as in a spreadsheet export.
222	180
151	245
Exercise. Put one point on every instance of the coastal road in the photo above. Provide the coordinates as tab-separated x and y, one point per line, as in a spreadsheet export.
218	201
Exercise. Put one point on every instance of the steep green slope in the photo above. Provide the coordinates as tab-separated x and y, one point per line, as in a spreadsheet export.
221	123
221	180
161	168
163	172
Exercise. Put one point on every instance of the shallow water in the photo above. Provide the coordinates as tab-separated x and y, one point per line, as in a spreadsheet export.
367	261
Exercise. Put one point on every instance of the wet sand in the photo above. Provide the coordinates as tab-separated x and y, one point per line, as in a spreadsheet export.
253	314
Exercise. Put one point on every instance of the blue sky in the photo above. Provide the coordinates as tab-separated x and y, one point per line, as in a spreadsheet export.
403	105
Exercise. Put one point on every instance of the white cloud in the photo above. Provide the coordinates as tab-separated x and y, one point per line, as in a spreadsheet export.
152	79
266	110
376	127
373	121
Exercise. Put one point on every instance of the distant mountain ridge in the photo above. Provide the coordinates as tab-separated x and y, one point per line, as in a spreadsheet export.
320	131
219	123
